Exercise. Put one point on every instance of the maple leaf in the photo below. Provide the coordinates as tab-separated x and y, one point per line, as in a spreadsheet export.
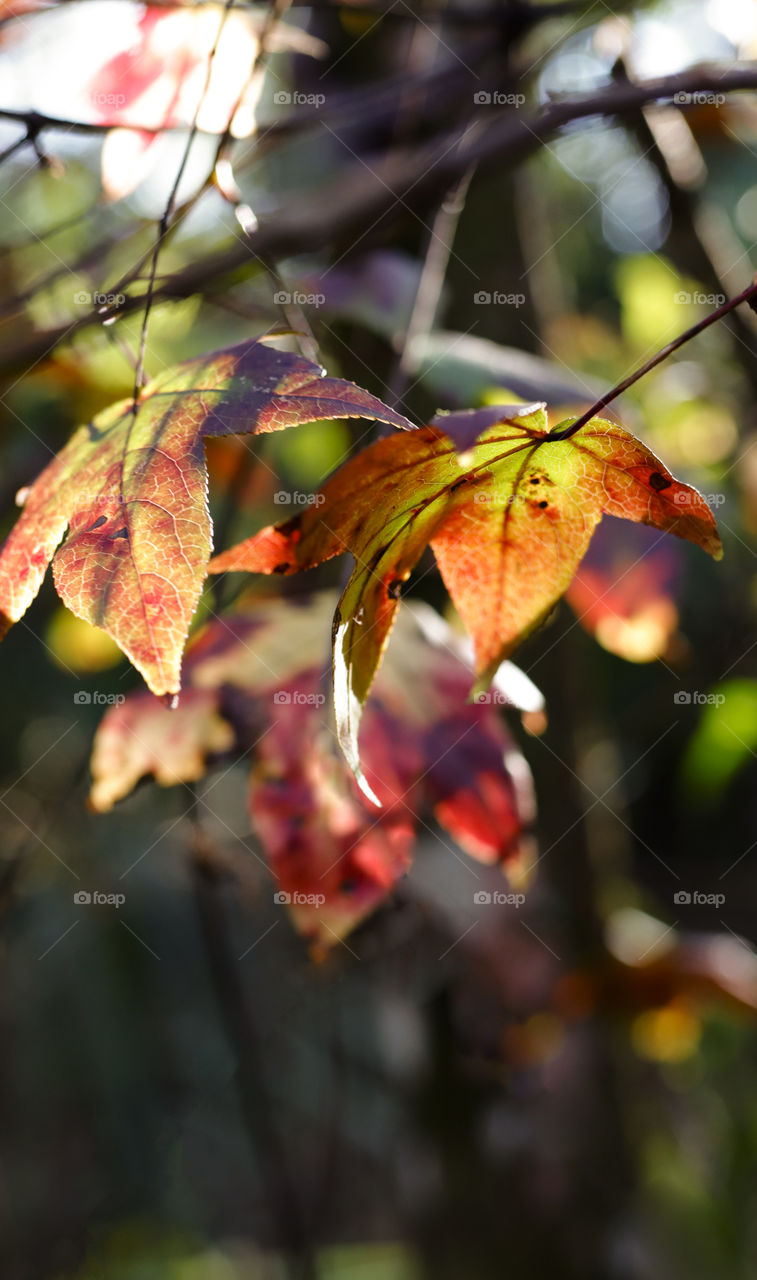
624	593
508	510
143	737
162	78
257	675
131	489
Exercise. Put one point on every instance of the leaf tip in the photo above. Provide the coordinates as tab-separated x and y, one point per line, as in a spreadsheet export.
715	547
366	787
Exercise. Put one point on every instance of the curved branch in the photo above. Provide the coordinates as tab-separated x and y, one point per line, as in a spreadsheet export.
746	295
366	196
37	121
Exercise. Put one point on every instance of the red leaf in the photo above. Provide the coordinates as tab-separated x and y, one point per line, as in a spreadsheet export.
624	591
509	521
164	78
261	671
131	489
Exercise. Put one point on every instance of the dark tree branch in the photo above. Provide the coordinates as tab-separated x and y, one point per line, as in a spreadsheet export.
368	195
36	122
279	1191
438	249
517	12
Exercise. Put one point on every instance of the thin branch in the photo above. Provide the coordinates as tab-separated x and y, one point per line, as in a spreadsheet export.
745	296
168	211
688	249
293	314
512	13
23	141
367	197
440	240
37	121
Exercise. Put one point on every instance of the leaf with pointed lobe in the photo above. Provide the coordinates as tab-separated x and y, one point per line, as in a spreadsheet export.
258	673
508	510
129	491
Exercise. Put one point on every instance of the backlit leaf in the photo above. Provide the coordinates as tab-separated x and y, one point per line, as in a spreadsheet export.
256	677
163	78
624	592
131	489
508	510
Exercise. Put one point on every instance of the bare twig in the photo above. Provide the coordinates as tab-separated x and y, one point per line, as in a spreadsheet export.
440	239
36	122
369	196
745	296
168	211
508	15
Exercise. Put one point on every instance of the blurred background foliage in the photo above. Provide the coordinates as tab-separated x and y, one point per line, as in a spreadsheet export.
565	1091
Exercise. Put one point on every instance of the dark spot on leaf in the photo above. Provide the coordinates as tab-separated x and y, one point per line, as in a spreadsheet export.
543	504
281	568
534	479
98	522
122	533
95	433
376	558
394	588
658	482
289	526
